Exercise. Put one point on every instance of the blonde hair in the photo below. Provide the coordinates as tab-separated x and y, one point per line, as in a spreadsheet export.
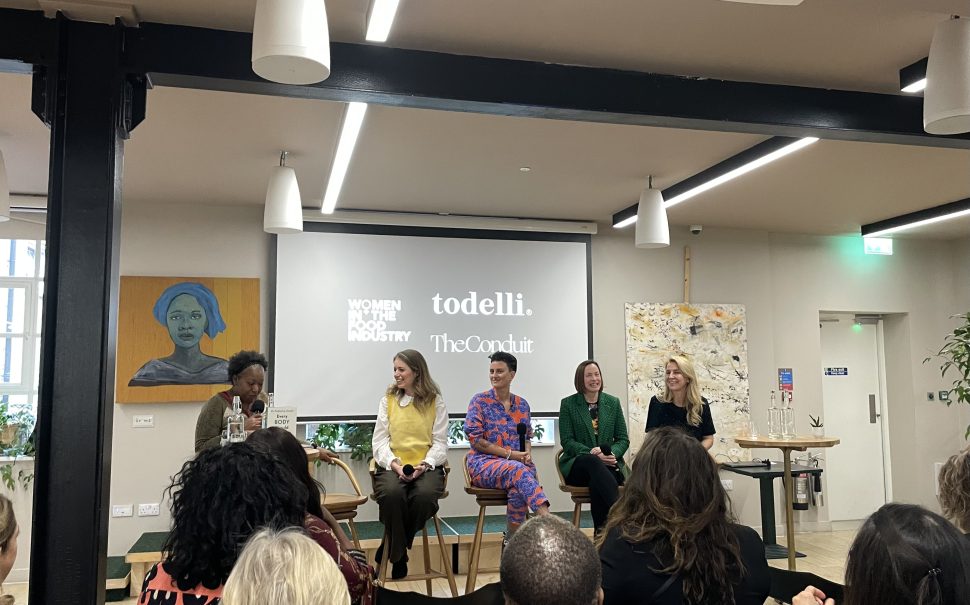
284	568
955	489
695	405
425	389
8	529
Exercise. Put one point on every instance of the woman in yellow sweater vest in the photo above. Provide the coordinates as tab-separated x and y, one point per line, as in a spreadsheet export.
411	430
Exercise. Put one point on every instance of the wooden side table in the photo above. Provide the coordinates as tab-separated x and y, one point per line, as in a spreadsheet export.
786	446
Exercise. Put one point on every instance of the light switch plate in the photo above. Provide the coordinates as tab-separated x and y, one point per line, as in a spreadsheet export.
944	395
930	396
121	510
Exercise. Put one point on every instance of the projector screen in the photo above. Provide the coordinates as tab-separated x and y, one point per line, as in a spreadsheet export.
346	302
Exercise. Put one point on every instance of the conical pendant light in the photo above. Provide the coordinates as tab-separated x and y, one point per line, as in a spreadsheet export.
652	229
284	210
291	41
946	100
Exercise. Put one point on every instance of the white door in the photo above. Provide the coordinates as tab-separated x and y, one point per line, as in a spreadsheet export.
852	403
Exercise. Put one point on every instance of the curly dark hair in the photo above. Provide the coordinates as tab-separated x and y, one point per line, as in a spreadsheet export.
285	446
219	499
243	359
955	489
674	499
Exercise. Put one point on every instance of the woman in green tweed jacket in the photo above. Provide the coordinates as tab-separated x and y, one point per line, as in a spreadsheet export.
594	439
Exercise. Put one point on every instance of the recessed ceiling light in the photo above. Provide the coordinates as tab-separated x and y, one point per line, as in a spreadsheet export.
525	169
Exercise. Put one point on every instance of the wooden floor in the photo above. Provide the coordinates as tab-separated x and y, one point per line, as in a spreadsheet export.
826	553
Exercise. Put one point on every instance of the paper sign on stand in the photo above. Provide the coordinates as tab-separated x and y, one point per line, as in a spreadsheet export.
283	417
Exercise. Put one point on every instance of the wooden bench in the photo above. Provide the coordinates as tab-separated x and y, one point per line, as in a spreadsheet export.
117	579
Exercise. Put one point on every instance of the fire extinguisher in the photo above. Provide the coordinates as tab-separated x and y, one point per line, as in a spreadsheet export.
801	492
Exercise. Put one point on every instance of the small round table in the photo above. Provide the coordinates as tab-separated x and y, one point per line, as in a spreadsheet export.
787	445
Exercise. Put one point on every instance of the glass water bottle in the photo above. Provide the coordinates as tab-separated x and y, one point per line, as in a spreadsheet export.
236	425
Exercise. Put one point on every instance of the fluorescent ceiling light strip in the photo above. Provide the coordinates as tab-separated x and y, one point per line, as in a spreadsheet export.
626	222
728	176
382	14
916	86
353	119
928	221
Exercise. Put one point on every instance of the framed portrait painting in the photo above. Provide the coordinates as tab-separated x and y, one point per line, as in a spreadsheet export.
175	335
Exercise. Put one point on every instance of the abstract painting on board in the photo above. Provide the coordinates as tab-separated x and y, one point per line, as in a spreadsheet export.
714	337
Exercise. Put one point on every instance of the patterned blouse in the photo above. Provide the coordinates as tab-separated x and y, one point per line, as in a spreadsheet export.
487	419
356	572
159	589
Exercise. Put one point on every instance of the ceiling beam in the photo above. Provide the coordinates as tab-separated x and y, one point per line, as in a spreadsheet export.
192	57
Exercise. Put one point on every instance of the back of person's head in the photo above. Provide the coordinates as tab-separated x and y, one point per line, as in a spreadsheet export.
955	489
285	446
285	568
550	562
8	538
219	499
674	498
907	555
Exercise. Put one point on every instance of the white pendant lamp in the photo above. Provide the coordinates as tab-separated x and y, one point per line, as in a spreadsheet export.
291	41
946	100
652	229
4	192
284	210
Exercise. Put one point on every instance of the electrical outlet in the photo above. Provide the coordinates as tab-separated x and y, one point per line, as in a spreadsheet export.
143	421
944	395
121	510
148	510
929	396
728	484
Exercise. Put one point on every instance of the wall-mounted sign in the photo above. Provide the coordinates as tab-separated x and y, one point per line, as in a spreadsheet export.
785	380
836	371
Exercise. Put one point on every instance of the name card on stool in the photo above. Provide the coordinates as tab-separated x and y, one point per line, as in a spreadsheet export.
282	416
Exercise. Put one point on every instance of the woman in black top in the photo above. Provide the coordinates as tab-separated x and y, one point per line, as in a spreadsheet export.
670	538
681	404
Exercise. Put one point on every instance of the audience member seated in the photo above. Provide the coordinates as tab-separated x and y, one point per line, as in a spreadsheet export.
284	568
9	531
670	538
318	522
903	555
219	499
955	490
550	562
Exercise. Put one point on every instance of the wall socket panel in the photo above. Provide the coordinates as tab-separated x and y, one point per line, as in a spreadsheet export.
148	510
121	510
728	484
143	421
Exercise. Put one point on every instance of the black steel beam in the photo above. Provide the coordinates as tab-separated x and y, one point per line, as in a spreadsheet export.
76	399
917	216
26	37
219	60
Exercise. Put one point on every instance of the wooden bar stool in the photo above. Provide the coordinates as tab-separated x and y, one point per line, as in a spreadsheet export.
579	495
429	573
343	507
484	497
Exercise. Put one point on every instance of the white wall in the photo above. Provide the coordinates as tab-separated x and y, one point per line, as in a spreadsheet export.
783	280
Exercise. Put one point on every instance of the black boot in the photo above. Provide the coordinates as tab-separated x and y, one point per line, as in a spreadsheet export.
379	554
399	569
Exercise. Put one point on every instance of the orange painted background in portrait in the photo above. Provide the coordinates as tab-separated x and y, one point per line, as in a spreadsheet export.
141	338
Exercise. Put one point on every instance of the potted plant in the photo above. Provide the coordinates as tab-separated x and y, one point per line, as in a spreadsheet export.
818	428
955	357
16	425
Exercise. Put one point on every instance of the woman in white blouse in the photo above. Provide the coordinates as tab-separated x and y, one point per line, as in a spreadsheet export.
411	431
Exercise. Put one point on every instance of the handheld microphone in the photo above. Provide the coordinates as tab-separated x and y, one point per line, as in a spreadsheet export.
408	470
257	407
606	449
521	429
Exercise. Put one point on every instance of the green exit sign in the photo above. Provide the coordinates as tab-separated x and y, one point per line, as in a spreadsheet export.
878	245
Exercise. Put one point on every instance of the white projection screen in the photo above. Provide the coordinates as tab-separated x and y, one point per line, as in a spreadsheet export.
346	302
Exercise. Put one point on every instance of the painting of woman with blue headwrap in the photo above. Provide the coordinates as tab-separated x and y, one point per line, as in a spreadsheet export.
189	311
